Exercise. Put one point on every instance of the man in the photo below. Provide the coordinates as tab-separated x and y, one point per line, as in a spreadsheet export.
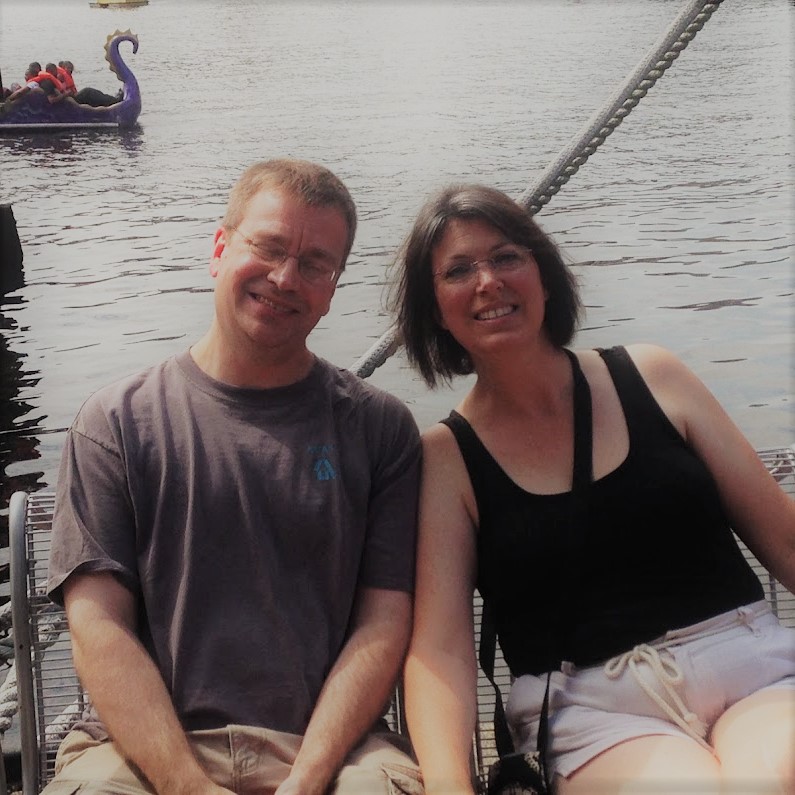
233	535
38	80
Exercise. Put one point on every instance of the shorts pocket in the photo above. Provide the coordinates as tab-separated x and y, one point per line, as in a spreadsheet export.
402	779
56	787
62	788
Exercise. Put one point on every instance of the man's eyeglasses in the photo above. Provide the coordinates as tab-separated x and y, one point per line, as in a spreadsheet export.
313	268
508	259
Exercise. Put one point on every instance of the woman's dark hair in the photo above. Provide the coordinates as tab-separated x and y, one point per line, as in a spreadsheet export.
432	349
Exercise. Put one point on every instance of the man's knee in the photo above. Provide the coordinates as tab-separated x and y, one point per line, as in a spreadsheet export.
93	767
388	778
382	765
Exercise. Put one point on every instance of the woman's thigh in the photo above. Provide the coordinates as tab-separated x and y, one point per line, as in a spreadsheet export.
651	764
755	741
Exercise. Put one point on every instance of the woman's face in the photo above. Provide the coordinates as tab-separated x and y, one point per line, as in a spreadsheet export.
488	289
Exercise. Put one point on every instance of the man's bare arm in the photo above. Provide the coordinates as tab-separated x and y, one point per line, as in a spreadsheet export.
356	690
126	687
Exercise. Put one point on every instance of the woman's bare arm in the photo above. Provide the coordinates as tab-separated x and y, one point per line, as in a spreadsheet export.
441	669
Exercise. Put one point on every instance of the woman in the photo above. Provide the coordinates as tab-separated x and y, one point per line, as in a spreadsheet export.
669	671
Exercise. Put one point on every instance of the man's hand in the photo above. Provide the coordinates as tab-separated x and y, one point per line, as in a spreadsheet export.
356	690
292	785
210	789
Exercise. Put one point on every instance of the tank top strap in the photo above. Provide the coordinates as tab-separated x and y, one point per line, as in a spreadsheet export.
583	426
484	472
641	410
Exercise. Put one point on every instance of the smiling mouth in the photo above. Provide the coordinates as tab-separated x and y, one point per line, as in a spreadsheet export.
261	299
493	314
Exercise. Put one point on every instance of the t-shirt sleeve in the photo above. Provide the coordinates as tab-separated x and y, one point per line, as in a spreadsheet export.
388	560
93	528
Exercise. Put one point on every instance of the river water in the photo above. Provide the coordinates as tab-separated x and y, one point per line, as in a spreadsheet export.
680	227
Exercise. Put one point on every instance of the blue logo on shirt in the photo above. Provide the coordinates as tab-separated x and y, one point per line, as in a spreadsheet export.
322	466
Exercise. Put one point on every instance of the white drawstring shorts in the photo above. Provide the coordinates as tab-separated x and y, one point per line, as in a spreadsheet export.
679	685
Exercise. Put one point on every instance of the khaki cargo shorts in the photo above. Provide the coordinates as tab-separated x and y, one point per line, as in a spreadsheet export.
245	759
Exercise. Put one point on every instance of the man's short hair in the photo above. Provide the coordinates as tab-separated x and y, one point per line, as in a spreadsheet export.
34	68
308	182
433	349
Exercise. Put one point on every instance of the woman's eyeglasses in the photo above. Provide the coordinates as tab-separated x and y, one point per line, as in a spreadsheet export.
508	259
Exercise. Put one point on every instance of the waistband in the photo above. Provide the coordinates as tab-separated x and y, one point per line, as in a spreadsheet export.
731	618
667	671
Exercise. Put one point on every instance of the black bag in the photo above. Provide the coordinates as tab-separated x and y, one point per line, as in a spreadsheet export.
526	773
517	774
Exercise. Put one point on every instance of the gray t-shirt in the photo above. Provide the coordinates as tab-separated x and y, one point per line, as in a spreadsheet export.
243	520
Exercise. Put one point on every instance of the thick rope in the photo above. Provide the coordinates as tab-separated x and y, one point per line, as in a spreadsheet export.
5	617
50	630
387	345
9	695
9	699
62	725
599	127
683	30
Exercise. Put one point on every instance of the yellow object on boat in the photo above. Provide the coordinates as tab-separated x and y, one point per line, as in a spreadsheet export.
117	3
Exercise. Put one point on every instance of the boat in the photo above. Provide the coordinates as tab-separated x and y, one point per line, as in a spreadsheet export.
34	112
118	3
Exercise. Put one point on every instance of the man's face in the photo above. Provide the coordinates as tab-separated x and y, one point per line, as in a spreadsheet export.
273	308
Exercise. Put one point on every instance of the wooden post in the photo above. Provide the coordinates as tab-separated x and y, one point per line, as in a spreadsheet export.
11	277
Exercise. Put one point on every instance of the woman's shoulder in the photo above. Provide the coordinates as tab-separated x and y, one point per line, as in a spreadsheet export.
656	364
443	456
438	440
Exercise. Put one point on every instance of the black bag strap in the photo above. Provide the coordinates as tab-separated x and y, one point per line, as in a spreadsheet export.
582	476
583	431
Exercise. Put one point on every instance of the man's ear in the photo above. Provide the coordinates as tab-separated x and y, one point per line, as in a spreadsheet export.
219	244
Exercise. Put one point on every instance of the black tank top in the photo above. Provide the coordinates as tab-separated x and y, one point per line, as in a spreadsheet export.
656	552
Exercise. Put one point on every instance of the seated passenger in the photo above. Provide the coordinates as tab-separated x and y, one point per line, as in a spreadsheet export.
88	96
51	72
65	69
611	473
37	80
243	639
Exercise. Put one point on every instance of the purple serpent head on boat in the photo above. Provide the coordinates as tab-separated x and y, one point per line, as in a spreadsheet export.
34	111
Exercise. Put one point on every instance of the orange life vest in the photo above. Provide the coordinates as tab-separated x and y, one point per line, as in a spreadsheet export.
47	76
66	79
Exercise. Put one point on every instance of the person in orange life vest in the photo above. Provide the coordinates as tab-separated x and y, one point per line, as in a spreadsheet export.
86	96
35	80
51	73
64	70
